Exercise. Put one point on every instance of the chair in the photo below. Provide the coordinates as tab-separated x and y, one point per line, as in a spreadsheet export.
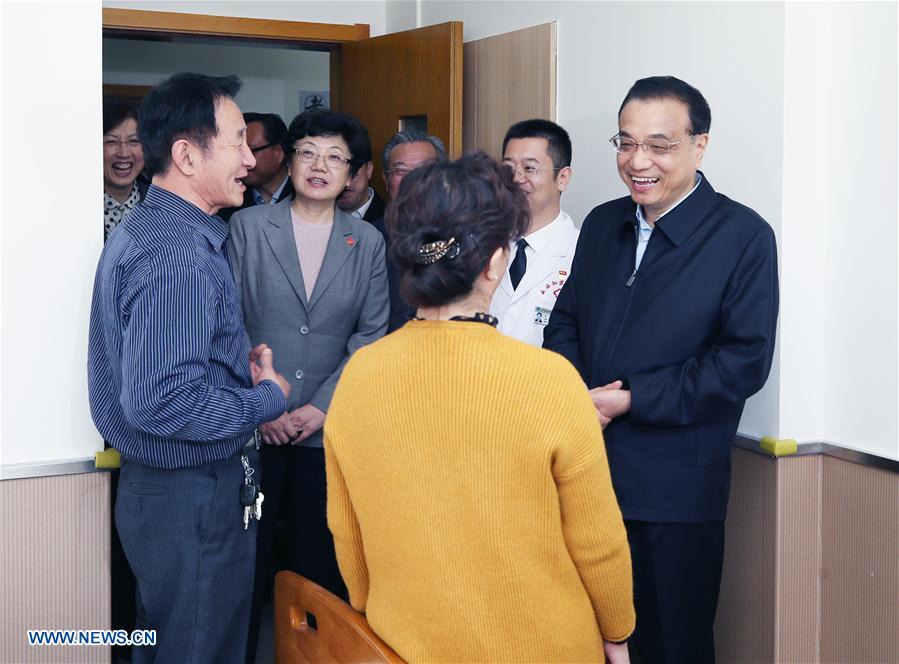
313	625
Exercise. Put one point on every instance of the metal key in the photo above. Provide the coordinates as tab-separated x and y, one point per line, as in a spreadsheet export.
258	506
248	493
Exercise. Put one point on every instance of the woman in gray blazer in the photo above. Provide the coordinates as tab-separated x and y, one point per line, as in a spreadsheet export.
313	285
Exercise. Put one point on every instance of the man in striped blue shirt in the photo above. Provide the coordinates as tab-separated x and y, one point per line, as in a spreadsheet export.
173	383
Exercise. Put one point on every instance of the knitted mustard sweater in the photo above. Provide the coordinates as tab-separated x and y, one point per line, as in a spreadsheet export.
470	500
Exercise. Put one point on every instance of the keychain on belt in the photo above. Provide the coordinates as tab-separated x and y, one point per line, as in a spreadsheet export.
251	495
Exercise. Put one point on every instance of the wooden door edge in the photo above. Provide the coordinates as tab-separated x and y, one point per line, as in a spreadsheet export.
151	22
334	77
457	69
126	91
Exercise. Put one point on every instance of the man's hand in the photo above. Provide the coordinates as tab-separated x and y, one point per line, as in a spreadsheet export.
307	420
610	401
261	368
616	653
603	420
278	432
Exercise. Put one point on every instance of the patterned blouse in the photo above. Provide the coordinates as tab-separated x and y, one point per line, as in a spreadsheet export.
114	212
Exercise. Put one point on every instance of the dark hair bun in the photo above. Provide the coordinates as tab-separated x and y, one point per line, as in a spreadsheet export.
470	208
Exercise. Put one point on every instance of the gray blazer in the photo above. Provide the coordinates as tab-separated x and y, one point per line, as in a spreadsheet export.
349	307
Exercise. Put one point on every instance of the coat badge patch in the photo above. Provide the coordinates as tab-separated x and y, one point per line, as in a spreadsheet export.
541	315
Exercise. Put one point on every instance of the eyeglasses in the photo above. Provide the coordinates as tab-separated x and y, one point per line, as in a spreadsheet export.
403	171
263	147
114	144
528	171
657	146
331	159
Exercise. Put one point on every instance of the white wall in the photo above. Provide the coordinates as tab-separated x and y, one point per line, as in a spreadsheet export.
714	46
272	76
313	11
603	47
400	15
50	234
839	345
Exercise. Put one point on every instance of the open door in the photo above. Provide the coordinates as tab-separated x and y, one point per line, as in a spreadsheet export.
404	80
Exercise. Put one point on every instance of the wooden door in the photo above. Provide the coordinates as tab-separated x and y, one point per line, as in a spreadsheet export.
508	78
401	80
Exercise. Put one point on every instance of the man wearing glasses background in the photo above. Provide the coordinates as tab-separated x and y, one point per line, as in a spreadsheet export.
670	314
267	182
539	154
405	151
359	198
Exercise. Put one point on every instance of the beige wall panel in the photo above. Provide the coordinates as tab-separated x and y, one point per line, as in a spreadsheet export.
744	625
514	79
798	558
860	580
54	570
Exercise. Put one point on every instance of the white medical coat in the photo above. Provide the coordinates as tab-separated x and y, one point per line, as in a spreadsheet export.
524	312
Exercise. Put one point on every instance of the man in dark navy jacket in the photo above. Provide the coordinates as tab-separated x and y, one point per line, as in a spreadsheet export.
670	314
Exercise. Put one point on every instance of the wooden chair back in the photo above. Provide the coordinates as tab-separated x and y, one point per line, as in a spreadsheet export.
314	625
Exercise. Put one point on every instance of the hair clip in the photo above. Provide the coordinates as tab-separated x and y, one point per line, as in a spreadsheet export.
434	251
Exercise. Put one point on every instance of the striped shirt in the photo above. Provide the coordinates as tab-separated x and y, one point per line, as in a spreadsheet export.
168	375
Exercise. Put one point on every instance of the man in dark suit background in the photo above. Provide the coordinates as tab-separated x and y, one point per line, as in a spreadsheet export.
359	198
267	182
670	314
404	152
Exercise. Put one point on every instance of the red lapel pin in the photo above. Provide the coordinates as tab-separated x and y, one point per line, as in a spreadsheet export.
350	242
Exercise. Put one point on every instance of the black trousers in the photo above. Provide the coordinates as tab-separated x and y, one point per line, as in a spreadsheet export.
182	532
677	574
293	481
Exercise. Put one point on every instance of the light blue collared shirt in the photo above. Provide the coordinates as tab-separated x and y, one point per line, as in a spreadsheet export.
259	200
644	230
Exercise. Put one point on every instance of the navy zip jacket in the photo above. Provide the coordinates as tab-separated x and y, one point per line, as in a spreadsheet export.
692	332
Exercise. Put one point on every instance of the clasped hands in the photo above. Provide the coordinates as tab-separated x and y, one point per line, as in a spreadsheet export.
293	427
610	401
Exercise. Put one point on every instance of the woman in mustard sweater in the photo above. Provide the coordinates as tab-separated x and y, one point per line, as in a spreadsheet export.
468	488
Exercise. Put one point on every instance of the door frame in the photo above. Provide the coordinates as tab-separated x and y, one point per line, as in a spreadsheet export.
137	22
315	36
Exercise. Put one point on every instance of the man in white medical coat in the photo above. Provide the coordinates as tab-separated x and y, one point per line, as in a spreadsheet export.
539	154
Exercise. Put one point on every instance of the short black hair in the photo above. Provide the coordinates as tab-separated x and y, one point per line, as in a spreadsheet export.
559	148
361	147
669	87
273	127
472	200
181	107
325	122
116	111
